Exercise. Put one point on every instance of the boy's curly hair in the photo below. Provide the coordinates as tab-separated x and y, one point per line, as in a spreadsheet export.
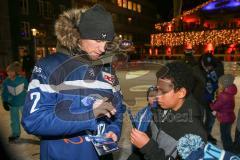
179	73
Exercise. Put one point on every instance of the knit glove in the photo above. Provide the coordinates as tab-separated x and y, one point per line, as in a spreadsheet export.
6	106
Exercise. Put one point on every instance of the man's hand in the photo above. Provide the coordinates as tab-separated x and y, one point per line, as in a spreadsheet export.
101	108
6	106
111	135
138	138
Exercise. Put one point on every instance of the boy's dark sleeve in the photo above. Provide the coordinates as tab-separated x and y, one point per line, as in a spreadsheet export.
152	152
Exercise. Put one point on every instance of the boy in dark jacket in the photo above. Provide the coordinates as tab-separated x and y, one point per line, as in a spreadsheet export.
182	114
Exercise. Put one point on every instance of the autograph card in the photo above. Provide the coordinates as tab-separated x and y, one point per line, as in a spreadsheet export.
104	145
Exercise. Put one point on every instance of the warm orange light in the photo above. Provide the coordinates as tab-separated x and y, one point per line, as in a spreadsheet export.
209	48
156	51
150	51
168	51
188	46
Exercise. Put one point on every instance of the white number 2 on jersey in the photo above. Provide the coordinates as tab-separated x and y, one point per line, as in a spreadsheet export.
36	97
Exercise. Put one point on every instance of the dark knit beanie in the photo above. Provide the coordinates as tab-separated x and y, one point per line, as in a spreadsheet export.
226	80
96	24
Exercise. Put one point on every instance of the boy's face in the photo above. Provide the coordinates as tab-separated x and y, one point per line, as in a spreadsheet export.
152	97
11	74
167	97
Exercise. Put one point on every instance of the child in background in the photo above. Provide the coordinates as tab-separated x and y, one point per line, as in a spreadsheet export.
144	116
224	106
13	97
143	119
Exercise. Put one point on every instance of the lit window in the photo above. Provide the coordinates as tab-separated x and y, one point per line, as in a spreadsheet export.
124	3
134	6
120	3
139	8
130	5
25	29
24	7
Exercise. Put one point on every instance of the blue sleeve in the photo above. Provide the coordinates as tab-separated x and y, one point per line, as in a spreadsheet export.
46	111
5	93
143	118
116	123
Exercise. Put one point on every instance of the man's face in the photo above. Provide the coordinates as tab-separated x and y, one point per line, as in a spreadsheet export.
167	97
94	48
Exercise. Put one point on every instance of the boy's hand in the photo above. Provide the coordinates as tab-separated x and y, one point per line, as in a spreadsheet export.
138	138
6	106
111	135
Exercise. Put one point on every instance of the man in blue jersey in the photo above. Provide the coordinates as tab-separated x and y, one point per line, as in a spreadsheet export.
75	93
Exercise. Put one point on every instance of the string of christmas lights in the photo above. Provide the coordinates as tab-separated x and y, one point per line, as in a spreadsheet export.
158	26
216	37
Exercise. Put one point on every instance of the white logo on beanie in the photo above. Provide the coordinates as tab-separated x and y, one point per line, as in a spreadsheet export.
104	35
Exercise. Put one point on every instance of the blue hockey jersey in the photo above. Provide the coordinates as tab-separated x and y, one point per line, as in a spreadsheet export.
58	106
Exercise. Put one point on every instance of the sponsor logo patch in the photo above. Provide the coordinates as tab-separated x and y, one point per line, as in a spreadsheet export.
108	77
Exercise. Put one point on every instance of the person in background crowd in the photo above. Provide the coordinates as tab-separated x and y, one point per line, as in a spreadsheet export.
199	78
224	106
14	90
27	62
75	93
212	70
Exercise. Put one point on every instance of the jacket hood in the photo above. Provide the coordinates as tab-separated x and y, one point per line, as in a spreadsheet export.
232	89
66	29
68	36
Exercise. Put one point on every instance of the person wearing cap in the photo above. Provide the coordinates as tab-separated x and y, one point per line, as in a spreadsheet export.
212	69
182	116
75	93
14	90
143	118
224	106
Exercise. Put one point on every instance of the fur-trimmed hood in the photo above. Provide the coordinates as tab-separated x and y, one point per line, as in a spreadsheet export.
66	29
68	36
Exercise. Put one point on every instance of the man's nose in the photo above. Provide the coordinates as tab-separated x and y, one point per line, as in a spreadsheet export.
101	46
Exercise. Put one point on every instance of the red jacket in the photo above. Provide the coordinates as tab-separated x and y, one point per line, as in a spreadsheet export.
224	105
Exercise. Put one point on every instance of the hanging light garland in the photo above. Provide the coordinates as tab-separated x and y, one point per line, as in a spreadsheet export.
158	26
217	37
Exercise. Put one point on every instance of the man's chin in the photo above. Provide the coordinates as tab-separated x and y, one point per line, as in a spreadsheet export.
94	58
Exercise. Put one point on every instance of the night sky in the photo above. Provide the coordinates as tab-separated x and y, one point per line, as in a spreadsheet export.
165	7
